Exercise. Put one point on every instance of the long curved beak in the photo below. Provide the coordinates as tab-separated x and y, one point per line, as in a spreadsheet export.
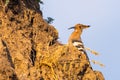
71	28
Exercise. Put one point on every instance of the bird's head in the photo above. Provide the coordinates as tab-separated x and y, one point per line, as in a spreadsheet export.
79	27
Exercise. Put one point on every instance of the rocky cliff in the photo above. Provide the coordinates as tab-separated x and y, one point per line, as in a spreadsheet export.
29	49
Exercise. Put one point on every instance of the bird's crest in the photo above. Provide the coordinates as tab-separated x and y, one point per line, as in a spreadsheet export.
80	26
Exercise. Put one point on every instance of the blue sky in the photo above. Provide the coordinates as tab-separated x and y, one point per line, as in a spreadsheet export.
103	35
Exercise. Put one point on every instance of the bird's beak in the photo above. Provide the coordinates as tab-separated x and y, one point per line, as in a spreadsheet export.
71	28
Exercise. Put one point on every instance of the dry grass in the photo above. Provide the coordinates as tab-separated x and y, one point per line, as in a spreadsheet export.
95	53
51	59
92	51
98	63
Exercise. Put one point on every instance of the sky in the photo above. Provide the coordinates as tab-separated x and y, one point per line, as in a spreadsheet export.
104	34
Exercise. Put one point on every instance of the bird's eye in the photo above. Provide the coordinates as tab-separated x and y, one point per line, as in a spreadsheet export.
80	27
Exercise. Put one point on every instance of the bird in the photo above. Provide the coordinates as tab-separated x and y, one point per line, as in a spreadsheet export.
75	37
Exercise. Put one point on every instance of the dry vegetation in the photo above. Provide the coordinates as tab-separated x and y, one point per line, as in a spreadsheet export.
96	54
29	49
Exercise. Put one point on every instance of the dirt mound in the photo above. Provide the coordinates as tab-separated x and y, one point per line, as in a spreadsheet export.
29	49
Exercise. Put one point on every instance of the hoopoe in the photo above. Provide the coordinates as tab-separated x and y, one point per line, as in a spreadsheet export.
75	38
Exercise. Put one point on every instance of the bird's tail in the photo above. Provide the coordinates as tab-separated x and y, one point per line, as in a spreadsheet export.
80	46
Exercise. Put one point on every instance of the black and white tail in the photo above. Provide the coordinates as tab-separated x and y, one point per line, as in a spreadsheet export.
79	45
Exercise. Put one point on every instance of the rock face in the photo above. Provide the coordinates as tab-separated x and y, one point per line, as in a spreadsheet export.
29	49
